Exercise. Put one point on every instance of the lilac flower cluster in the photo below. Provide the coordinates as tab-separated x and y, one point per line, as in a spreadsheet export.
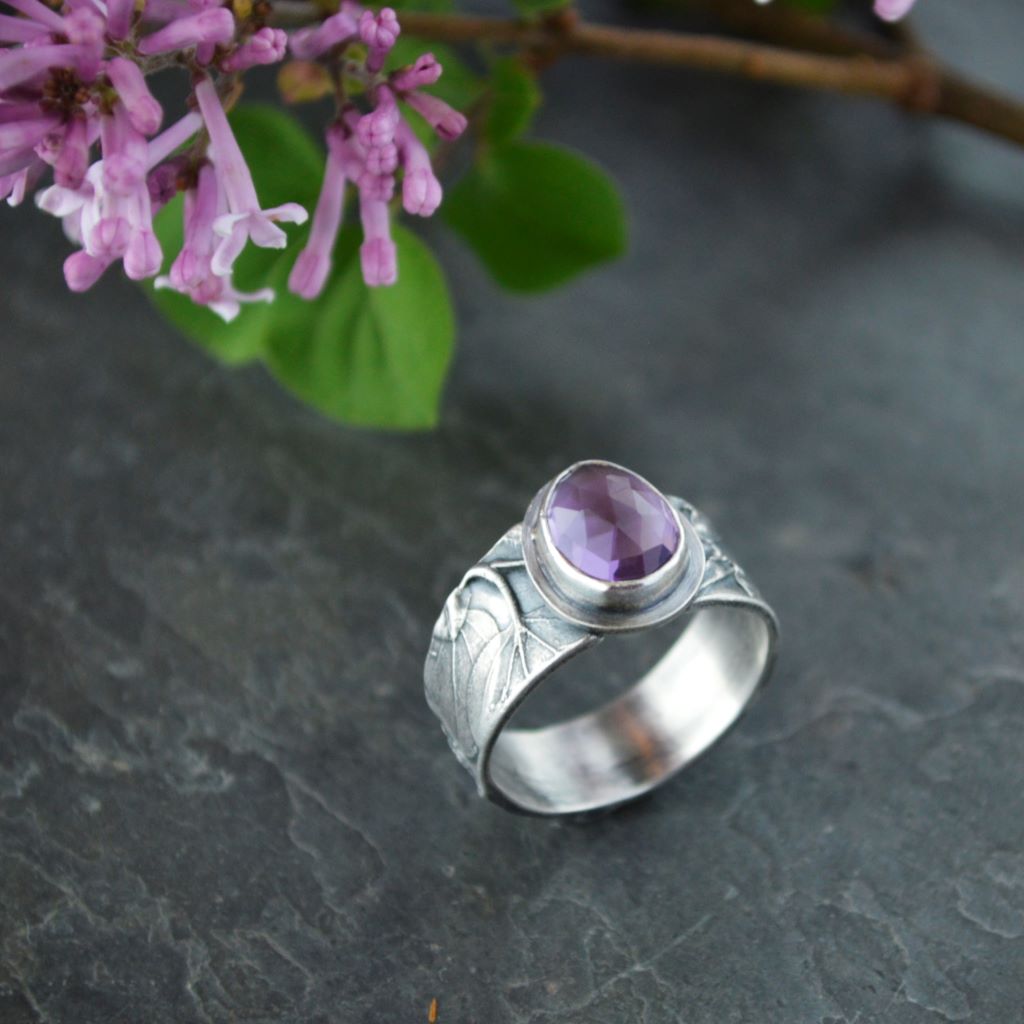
369	148
76	79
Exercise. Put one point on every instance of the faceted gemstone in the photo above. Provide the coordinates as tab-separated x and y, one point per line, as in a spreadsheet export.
610	524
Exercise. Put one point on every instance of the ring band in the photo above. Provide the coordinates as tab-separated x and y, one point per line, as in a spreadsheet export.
600	552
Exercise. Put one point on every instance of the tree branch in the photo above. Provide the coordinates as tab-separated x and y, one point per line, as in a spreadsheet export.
911	80
795	29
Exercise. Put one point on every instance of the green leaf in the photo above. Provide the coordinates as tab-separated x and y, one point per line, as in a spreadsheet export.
370	356
514	99
286	166
537	214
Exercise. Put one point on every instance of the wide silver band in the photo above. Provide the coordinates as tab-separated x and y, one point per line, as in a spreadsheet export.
500	635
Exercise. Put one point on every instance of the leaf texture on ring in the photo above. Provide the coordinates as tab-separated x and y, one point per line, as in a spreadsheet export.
495	633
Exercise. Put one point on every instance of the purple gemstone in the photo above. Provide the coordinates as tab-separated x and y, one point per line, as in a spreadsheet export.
610	524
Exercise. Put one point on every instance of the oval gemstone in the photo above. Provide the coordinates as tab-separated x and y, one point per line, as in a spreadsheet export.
610	524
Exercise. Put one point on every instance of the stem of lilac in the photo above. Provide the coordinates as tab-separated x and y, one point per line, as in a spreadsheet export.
818	54
234	172
177	135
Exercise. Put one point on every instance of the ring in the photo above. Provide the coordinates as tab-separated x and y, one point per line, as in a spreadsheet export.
600	552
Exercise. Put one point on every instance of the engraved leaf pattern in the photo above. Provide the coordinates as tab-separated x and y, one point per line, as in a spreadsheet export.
494	633
721	573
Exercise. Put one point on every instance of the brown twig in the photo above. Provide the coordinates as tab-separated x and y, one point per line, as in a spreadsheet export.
795	29
912	80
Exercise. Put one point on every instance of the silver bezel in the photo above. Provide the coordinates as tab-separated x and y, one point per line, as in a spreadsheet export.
616	606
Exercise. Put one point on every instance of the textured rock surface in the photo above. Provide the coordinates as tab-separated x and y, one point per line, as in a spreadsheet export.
222	797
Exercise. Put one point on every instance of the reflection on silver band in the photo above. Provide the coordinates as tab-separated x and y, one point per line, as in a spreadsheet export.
511	622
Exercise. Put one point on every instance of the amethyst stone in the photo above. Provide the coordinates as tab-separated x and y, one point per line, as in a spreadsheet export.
610	524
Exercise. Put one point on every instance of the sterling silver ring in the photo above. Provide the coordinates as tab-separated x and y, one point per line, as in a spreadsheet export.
600	552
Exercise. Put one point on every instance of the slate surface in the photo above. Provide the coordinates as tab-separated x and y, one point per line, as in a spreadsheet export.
222	797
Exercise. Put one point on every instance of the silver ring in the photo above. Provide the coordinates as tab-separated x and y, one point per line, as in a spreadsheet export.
601	551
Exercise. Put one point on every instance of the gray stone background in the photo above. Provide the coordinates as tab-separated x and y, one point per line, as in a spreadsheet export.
222	798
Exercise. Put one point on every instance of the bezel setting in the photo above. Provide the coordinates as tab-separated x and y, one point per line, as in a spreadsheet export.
617	605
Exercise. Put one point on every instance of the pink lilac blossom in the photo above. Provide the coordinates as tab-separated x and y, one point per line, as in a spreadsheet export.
127	78
19	30
243	220
267	46
309	274
309	43
377	253
421	191
192	272
119	18
85	28
424	71
74	79
379	32
73	157
211	26
448	123
39	12
892	10
24	63
369	149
